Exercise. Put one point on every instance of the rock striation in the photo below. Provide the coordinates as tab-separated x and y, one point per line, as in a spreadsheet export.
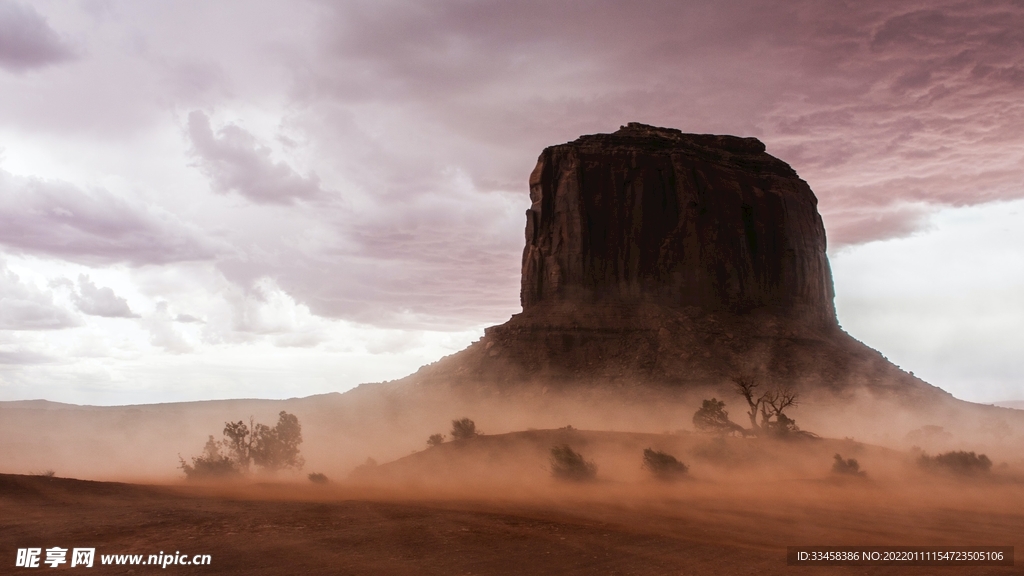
653	214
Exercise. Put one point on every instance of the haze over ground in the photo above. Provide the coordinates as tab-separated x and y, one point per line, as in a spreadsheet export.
279	199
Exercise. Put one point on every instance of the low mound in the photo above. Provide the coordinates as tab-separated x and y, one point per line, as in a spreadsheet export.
520	461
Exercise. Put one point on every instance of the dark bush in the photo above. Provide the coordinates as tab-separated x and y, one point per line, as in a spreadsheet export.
664	466
435	440
957	462
269	448
567	464
278	447
712	418
365	469
463	429
318	478
848	467
212	465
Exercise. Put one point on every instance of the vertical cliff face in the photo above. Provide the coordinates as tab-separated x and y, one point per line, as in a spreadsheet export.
653	215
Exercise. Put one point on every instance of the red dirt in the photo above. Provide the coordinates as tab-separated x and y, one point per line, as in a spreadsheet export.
690	528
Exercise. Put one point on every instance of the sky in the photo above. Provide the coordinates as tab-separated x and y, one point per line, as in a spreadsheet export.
231	199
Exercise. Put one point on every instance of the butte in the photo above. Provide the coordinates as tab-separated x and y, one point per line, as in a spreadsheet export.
656	259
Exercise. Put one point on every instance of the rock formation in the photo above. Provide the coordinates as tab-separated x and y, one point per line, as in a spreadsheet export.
655	257
679	219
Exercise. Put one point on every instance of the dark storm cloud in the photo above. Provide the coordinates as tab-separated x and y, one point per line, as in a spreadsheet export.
235	162
861	98
26	39
96	301
53	218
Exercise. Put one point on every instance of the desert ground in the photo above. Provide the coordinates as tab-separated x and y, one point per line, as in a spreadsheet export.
489	505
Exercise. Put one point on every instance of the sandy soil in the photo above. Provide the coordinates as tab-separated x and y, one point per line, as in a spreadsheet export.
695	527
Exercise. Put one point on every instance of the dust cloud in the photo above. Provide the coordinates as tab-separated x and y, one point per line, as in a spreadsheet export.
743	497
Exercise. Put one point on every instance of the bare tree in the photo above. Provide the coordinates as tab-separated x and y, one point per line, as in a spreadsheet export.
748	385
770	404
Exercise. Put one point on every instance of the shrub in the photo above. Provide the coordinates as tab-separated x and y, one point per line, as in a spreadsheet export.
663	465
435	440
212	465
713	419
846	467
364	469
957	462
567	464
268	448
278	447
318	478
463	429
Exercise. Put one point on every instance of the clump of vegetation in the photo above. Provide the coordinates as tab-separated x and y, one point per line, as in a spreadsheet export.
712	418
957	462
849	467
567	464
247	445
364	469
435	440
318	478
212	465
930	436
663	465
464	429
45	474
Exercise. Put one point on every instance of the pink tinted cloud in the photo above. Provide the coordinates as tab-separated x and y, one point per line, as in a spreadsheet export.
422	122
861	98
26	40
235	162
57	219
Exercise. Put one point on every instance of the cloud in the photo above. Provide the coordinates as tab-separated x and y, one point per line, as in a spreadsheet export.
234	161
24	358
54	218
100	301
26	39
26	307
858	97
431	116
162	332
188	319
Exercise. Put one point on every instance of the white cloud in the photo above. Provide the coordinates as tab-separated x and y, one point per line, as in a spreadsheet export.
163	333
103	302
23	306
